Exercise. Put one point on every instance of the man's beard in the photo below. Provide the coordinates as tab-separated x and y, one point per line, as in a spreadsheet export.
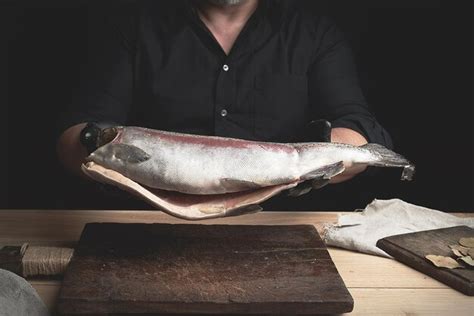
226	2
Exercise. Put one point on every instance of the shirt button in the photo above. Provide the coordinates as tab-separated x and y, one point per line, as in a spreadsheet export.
224	113
225	67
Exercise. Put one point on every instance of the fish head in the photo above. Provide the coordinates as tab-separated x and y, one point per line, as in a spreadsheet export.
111	151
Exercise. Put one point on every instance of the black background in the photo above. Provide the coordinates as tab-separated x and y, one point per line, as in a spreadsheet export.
415	61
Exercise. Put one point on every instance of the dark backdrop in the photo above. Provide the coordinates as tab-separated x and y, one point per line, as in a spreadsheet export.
415	63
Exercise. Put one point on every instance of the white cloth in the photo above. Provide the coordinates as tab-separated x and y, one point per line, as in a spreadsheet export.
360	231
18	297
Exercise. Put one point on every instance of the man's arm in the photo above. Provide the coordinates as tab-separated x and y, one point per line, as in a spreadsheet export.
104	93
335	94
347	136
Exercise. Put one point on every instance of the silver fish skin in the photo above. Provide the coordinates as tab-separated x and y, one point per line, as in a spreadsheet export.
205	165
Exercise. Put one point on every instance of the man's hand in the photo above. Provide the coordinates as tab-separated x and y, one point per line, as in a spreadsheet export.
347	136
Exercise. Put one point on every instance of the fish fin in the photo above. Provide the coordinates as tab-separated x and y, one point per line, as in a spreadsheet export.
317	179
319	183
307	186
326	172
238	185
129	153
388	158
301	189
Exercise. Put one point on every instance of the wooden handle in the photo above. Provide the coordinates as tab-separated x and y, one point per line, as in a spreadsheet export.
28	260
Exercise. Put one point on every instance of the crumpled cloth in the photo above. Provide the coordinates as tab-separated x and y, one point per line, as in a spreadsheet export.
361	230
18	297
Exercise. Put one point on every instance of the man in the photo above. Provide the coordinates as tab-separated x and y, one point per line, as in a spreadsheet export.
252	69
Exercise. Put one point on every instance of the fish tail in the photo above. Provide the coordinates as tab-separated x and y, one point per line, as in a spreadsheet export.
387	158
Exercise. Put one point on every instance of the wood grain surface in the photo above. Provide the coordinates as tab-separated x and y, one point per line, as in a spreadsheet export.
379	286
412	248
183	269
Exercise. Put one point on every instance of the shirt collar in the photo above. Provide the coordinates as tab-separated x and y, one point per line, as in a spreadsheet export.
260	26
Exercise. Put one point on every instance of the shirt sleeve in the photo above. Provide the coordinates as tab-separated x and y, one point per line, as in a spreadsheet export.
334	89
104	89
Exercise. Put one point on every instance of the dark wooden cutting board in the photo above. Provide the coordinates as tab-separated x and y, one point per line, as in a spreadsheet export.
412	248
136	269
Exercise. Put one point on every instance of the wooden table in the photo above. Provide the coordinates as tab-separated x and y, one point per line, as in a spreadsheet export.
378	285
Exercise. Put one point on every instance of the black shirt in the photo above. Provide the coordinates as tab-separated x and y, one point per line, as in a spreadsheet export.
160	67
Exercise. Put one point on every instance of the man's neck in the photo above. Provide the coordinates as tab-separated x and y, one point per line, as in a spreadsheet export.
226	21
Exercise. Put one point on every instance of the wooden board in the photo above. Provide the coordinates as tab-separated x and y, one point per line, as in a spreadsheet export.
137	269
412	248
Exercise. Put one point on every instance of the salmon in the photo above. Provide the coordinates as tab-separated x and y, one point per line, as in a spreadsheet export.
209	176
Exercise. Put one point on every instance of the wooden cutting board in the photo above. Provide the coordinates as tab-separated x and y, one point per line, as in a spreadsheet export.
412	248
136	269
